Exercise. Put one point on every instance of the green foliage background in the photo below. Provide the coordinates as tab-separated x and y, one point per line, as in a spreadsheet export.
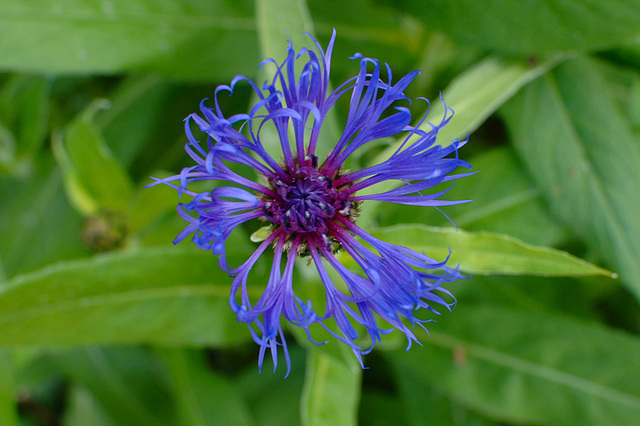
104	322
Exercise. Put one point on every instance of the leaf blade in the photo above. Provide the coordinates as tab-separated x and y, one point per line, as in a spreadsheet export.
178	40
127	297
487	253
95	180
202	396
564	135
528	367
533	27
332	390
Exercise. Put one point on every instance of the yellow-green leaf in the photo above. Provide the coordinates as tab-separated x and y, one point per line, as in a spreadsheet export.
487	253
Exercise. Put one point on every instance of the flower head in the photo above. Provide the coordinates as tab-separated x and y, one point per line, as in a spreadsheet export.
311	205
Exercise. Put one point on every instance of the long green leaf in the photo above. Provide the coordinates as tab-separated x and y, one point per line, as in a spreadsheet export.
332	389
136	109
24	107
530	27
163	295
477	93
481	90
8	406
202	396
425	403
530	368
36	222
83	408
584	157
487	253
474	96
198	40
186	40
94	178
280	21
495	208
128	383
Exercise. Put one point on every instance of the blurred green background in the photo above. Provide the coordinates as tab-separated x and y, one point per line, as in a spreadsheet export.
104	322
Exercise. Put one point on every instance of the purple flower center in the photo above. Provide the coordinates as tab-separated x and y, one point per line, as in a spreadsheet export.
307	201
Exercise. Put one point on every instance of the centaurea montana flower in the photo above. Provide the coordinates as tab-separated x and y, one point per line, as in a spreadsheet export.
311	206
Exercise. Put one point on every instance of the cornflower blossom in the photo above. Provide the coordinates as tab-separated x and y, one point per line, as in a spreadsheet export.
311	206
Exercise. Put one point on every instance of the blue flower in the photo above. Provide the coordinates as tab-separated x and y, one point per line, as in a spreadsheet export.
311	205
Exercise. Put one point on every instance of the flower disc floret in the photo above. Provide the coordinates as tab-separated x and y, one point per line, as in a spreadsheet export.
306	201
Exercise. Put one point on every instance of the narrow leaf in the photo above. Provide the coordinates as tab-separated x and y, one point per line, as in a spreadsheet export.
481	90
583	155
523	367
477	93
527	27
36	222
94	179
83	408
473	96
280	21
185	40
134	114
8	392
24	106
128	383
332	389
496	207
169	295
486	253
202	396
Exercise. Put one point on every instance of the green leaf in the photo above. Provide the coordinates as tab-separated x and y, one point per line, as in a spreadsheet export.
202	396
280	21
332	389
584	157
525	367
486	253
495	207
94	179
166	295
374	28
626	53
128	383
7	150
474	96
194	40
384	407
24	110
478	92
634	104
134	113
425	403
272	399
8	406
82	408
149	204
529	27
24	107
36	223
